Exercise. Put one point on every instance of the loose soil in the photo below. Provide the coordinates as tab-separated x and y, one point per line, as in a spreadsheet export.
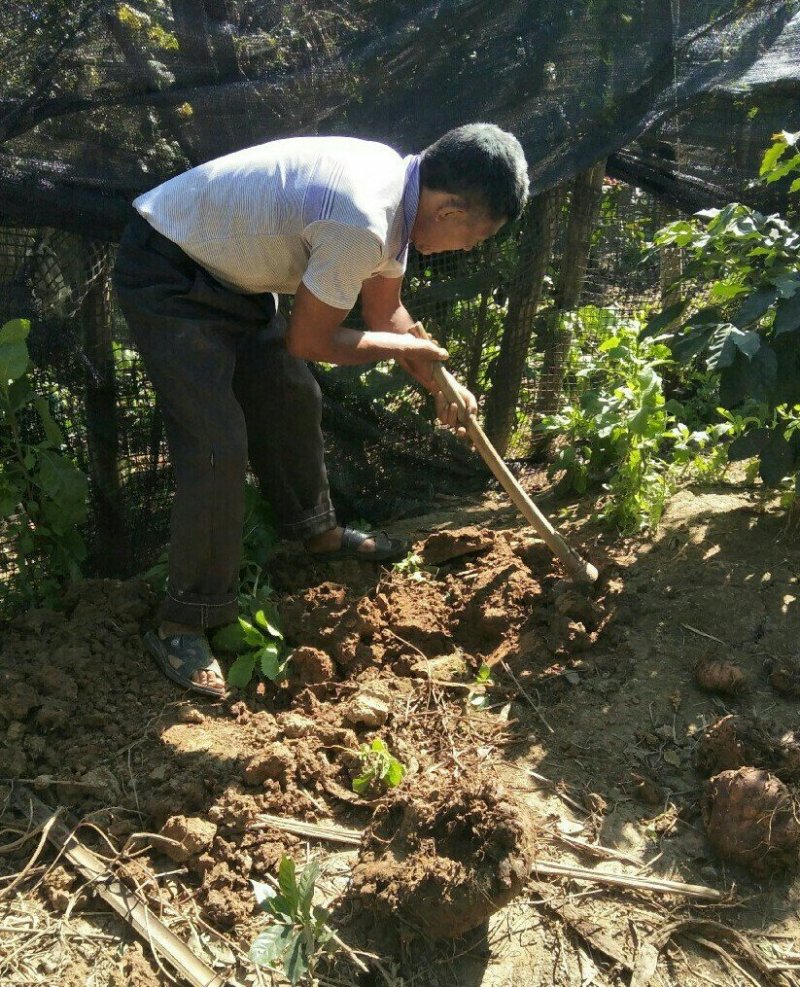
592	743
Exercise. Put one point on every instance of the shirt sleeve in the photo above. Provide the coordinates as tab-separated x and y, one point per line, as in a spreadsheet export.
342	258
392	269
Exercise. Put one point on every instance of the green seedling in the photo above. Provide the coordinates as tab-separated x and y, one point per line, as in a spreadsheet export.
380	770
297	932
413	568
258	644
484	675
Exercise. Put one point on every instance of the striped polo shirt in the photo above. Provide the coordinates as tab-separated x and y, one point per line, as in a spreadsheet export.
331	212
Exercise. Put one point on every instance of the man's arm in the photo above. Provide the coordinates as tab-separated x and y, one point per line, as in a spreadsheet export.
383	309
316	333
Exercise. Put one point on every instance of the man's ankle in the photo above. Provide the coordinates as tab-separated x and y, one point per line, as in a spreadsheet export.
167	627
330	539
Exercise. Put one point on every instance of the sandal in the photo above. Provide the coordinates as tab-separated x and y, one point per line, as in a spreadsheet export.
386	549
193	653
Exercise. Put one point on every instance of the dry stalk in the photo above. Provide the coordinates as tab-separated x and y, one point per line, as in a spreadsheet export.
45	831
536	707
627	881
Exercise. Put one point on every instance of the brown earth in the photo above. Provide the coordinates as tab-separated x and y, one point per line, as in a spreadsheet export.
592	691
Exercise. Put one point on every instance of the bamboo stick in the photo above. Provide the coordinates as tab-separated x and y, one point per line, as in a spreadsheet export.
578	568
124	902
627	880
326	831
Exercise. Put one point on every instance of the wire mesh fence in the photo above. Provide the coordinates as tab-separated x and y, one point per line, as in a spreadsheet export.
106	99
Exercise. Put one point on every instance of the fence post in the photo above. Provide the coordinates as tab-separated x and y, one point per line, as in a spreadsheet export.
111	549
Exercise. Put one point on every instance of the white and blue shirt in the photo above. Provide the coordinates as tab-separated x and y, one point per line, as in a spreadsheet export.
331	212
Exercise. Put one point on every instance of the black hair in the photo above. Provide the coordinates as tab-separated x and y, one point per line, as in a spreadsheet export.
482	164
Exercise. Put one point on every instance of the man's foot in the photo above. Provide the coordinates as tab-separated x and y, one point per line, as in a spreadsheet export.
185	656
337	544
331	541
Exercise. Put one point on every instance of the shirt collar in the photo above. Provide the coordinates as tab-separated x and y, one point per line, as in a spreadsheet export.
410	203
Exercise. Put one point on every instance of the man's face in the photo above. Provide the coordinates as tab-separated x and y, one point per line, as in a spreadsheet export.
452	228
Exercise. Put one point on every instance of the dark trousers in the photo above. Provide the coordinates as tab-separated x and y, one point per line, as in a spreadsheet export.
228	392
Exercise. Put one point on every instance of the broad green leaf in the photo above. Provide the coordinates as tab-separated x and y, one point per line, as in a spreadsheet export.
267	618
395	774
51	430
725	290
748	445
269	661
685	347
241	671
252	635
787	284
777	460
15	331
296	963
795	186
725	342
664	318
783	169
270	945
287	880
362	783
20	393
63	482
305	888
13	360
609	344
230	638
745	378
754	306
787	316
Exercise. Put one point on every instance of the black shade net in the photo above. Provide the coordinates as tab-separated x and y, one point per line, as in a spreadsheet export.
101	100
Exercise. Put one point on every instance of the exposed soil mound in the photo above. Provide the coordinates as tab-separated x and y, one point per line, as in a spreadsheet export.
444	546
751	818
493	600
416	611
330	618
442	862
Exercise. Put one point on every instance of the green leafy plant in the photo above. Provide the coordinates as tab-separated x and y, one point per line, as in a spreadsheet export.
744	323
298	931
484	675
413	568
380	770
613	432
255	637
257	643
42	492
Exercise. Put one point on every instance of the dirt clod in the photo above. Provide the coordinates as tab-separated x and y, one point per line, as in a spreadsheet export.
443	862
366	709
720	676
444	546
751	818
277	762
194	835
310	665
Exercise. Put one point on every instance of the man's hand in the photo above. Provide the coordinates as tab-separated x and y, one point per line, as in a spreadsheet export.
448	413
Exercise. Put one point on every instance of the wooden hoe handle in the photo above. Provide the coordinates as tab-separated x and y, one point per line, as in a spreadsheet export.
578	568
